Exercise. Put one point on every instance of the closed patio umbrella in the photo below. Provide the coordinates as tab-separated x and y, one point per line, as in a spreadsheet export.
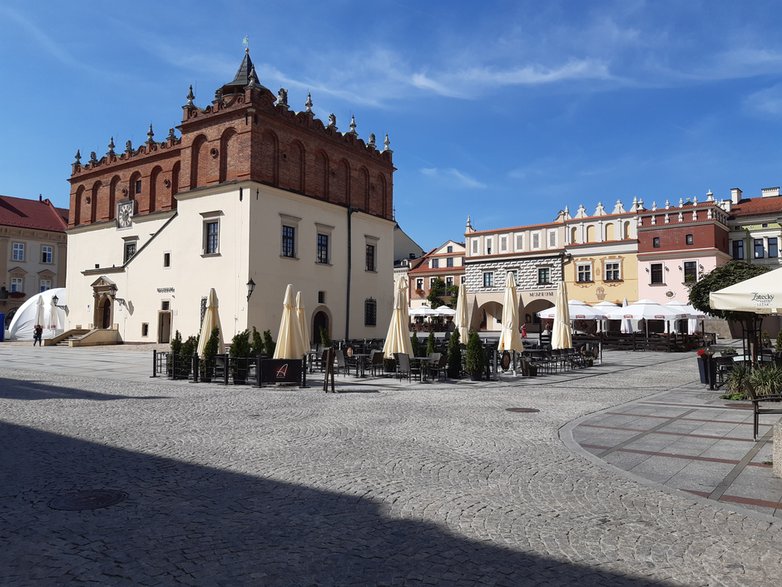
462	319
289	336
398	336
39	312
561	335
301	318
53	322
510	339
210	322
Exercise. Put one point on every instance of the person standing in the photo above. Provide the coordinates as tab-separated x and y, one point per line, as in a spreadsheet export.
37	334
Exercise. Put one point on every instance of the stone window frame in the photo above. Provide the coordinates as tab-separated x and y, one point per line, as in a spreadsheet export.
14	280
519	241
535	240
488	279
653	271
606	269
16	247
370	312
551	238
44	283
373	242
419	284
288	221
211	218
326	231
129	248
690	267
584	272
547	270
47	252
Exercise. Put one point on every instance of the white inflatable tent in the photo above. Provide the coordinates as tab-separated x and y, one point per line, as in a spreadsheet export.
23	322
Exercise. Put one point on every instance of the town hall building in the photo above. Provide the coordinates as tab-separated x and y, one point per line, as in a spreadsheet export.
249	197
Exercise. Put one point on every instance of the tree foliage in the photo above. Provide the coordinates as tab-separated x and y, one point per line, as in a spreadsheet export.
719	278
454	355
436	292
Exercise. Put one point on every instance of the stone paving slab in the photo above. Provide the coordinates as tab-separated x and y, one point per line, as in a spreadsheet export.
387	483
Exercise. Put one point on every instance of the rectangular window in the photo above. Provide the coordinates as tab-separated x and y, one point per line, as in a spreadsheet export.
474	246
738	250
323	248
17	252
584	272
773	248
130	250
449	281
535	240
211	237
145	329
552	239
519	242
612	271
488	246
758	248
488	279
45	284
370	257
449	262
165	305
166	259
321	297
688	239
656	242
434	263
419	284
449	249
288	241
690	272
432	281
17	284
47	254
462	279
657	273
503	244
544	276
370	312
138	186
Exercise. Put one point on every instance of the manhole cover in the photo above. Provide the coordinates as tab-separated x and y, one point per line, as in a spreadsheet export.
88	499
522	410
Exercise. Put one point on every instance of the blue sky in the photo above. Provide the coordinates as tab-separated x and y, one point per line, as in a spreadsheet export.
504	110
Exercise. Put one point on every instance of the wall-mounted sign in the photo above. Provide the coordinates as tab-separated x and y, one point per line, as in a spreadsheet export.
165	290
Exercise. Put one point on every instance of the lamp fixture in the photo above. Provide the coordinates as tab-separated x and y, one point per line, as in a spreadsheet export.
250	288
56	300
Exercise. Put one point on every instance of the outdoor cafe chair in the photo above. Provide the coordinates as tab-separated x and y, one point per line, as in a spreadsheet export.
342	364
758	410
376	364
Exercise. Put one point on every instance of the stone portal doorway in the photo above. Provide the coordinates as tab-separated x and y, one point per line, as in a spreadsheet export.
320	322
104	292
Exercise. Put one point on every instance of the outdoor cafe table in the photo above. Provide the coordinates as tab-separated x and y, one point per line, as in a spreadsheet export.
422	363
361	363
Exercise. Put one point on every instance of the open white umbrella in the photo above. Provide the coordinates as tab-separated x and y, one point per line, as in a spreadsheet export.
645	310
693	316
288	337
301	318
445	311
578	311
604	306
510	339
210	322
561	335
626	326
761	294
398	336
462	320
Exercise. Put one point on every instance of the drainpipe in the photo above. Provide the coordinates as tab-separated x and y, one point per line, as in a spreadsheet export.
351	210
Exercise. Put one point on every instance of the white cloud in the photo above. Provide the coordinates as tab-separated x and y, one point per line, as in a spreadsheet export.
767	101
453	177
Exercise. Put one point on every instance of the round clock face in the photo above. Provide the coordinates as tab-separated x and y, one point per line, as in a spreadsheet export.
123	217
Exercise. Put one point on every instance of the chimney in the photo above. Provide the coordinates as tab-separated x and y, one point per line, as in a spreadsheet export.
769	192
735	195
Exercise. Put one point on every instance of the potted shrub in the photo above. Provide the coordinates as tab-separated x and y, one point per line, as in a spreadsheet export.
737	382
416	344
454	356
703	357
258	347
210	352
268	344
173	356
186	354
475	361
240	351
325	341
430	344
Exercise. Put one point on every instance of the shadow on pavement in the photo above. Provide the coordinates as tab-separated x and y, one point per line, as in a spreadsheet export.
199	525
28	390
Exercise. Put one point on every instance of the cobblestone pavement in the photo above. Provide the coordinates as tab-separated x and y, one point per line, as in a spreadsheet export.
387	484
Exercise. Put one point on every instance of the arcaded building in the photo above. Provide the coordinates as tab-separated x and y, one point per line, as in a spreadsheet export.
247	191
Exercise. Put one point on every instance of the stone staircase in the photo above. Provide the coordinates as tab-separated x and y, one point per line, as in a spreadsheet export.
71	335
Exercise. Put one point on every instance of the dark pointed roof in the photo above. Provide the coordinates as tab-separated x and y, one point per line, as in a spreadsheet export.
243	75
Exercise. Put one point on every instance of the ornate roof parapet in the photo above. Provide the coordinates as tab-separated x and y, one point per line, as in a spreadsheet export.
150	136
709	196
282	98
581	212
619	208
190	99
308	104
76	165
599	211
387	145
352	130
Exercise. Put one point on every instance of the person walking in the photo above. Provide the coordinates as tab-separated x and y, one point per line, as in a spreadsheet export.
37	334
